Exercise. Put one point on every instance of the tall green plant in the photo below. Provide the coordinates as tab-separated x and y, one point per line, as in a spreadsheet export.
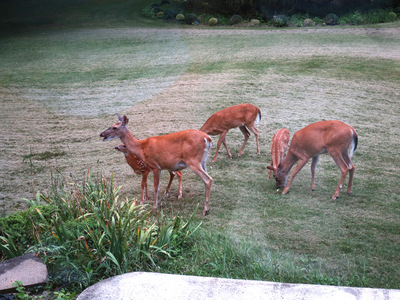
94	234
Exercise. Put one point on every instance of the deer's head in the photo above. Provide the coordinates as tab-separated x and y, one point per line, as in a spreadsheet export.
122	148
115	131
280	177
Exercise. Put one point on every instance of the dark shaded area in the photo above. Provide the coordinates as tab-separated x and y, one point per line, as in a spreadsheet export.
269	8
26	14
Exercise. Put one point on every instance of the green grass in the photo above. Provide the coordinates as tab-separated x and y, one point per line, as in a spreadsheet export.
62	85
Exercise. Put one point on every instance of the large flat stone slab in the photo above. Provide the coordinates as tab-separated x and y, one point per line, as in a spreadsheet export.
140	285
28	269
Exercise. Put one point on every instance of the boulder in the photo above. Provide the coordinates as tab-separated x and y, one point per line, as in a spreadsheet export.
28	268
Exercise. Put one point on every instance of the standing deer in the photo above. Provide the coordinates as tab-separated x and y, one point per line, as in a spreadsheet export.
332	137
279	144
140	168
173	152
242	116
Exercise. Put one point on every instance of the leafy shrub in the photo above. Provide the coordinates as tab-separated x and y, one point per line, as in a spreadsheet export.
151	10
392	16
236	19
308	23
318	21
160	14
212	21
375	16
190	19
21	229
352	19
280	21
169	14
331	19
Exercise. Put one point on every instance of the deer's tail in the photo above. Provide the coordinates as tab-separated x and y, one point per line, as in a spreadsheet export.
354	143
258	118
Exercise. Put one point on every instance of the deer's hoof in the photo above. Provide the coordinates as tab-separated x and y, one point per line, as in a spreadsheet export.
205	212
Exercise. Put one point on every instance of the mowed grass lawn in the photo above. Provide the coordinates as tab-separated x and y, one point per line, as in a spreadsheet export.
61	87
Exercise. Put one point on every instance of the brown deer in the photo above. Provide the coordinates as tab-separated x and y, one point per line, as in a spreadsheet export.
173	152
242	116
332	137
279	144
140	168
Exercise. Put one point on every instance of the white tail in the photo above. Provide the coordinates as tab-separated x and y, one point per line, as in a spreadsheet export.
172	152
332	137
139	167
242	116
279	145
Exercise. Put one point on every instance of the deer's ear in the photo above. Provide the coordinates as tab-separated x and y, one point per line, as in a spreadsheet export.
119	117
125	120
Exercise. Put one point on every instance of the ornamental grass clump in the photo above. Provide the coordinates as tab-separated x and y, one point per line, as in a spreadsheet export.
180	17
212	21
308	23
93	234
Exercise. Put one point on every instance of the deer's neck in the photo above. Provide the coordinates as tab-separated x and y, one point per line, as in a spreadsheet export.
288	162
132	144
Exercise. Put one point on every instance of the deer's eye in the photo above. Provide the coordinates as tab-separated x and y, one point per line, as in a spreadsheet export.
114	128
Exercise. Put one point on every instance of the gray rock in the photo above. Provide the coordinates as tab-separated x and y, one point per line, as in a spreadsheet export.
28	269
140	285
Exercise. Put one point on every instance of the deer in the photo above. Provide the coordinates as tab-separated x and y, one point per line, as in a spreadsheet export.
139	167
243	115
334	137
172	152
279	144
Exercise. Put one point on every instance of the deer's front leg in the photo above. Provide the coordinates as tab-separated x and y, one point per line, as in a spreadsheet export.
156	174
296	170
145	195
222	140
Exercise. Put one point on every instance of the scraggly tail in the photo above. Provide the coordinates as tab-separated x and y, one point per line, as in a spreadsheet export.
354	143
258	118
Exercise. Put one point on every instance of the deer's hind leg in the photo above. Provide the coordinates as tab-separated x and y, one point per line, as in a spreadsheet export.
246	135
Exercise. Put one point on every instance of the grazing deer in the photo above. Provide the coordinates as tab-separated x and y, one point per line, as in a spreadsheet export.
242	116
332	137
173	152
279	145
140	168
